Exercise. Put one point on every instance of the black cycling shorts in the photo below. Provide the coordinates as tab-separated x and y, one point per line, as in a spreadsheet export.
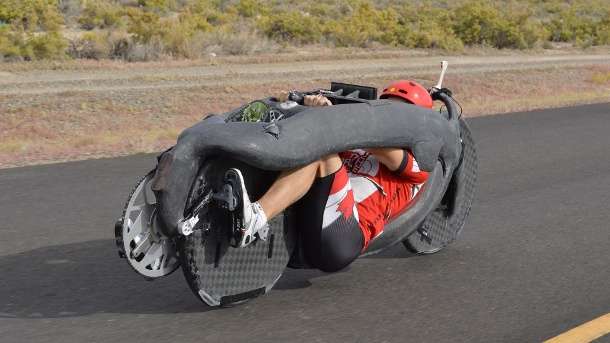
327	224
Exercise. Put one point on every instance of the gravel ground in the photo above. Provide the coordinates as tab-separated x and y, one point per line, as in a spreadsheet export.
52	81
49	115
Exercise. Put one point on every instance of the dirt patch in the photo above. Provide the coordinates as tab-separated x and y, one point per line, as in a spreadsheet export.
58	115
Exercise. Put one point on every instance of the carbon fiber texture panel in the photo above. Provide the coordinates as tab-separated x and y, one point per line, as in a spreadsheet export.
222	270
443	225
213	268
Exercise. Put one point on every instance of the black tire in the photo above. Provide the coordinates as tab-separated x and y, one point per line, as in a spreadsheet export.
217	273
443	226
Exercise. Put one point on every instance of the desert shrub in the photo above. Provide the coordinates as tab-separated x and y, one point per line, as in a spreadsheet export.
71	11
128	3
329	9
159	6
580	21
196	22
11	44
144	25
251	8
552	6
100	14
150	29
535	32
344	34
93	45
21	45
30	30
149	51
365	25
176	37
101	44
120	44
199	16
602	31
436	37
209	11
50	45
291	26
31	15
581	24
476	23
428	27
481	23
408	26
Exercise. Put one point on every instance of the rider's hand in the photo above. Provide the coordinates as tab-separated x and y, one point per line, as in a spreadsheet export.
283	96
316	100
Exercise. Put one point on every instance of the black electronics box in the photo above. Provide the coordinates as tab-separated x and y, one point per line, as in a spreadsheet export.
354	91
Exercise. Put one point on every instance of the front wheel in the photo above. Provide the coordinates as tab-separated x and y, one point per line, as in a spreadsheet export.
217	273
442	226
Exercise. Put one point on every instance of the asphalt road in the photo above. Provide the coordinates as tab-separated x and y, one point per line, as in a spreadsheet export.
532	262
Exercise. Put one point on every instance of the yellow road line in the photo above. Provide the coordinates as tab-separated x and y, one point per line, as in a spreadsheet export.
586	332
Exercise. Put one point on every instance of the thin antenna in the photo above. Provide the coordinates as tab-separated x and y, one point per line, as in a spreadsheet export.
444	65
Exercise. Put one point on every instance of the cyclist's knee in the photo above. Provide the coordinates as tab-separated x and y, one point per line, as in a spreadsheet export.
333	260
329	164
340	244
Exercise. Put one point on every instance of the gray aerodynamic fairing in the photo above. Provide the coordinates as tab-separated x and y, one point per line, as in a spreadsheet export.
305	137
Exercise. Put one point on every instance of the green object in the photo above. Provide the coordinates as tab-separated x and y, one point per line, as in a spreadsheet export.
255	111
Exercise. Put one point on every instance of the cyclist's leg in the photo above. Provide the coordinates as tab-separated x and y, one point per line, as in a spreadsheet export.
286	190
292	185
327	222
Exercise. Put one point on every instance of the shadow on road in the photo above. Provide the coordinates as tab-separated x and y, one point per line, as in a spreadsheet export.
395	251
87	278
300	278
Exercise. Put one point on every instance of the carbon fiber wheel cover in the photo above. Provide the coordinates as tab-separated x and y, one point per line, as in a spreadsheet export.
443	225
220	274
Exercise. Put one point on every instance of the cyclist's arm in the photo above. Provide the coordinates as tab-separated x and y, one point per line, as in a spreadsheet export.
308	100
401	162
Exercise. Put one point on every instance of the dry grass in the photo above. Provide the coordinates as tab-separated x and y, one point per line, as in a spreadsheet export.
601	78
492	93
12	147
79	124
287	54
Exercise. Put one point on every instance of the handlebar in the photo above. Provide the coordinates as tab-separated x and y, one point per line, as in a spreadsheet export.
298	97
443	95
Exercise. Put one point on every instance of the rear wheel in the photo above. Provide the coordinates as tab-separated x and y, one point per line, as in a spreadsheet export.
442	226
139	238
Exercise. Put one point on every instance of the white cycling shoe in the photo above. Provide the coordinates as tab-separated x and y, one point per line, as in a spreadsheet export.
251	221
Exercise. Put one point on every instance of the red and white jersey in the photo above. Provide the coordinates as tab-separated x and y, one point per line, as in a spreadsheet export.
340	201
380	194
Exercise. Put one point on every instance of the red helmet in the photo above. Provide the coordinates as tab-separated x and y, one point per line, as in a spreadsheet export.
410	91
